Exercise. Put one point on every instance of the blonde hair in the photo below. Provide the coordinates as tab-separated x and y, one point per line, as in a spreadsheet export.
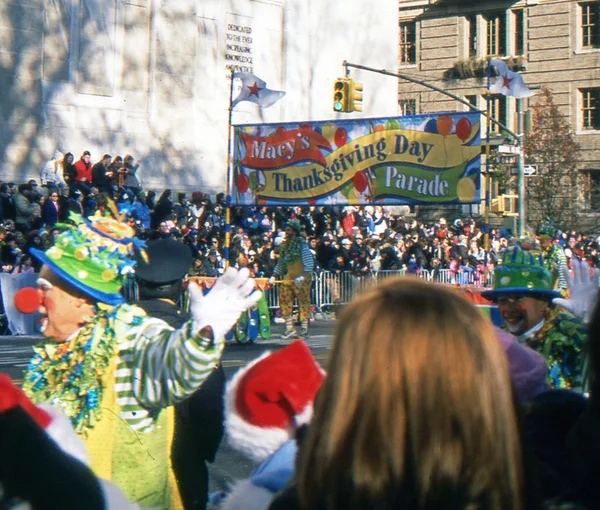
416	411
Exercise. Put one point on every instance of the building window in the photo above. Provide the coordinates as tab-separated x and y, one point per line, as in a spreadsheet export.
594	200
589	108
496	34
589	24
519	32
408	42
472	35
497	112
472	100
408	106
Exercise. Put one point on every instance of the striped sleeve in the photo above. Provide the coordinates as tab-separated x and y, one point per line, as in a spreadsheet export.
280	268
169	365
308	260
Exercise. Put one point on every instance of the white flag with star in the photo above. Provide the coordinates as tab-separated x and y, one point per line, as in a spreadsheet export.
508	83
255	90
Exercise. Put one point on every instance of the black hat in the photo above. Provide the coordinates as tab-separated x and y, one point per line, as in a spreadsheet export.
168	260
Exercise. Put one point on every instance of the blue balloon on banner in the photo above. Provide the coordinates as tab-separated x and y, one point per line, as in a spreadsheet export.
318	130
431	126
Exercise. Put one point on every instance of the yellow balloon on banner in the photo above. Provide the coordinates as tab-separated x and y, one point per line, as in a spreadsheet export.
466	190
328	131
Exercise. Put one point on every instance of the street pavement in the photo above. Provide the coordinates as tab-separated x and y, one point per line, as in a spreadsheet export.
15	352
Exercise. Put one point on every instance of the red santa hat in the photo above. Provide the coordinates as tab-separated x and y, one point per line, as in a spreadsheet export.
52	420
268	399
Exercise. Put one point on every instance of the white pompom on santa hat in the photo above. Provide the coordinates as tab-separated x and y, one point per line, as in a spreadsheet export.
267	400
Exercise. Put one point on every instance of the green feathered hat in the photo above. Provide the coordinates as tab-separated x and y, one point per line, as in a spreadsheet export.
546	230
521	271
93	254
295	224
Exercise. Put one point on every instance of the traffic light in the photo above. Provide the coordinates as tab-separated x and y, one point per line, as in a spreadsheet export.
355	95
340	95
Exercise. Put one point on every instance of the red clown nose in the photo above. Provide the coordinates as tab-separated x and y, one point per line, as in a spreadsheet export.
27	300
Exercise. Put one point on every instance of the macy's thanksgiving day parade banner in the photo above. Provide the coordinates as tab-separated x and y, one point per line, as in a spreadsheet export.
412	160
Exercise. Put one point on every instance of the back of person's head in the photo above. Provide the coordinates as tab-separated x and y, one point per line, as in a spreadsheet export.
417	409
24	187
160	274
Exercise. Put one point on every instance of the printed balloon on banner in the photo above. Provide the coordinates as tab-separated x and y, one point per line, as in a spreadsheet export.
341	137
328	131
392	124
253	181
463	128
242	182
444	125
431	126
361	181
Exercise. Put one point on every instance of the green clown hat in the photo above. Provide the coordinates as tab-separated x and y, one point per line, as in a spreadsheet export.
521	271
93	255
546	230
295	224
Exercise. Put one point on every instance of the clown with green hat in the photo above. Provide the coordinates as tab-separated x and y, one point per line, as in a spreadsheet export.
553	255
114	371
295	267
524	292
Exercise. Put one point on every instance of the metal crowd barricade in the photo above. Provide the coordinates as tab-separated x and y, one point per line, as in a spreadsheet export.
330	289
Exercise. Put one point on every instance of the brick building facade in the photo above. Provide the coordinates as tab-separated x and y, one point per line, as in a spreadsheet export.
552	43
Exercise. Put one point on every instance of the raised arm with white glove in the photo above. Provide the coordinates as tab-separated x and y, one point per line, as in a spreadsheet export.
583	288
233	294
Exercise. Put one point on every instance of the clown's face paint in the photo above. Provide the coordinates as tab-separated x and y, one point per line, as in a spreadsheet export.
62	313
520	313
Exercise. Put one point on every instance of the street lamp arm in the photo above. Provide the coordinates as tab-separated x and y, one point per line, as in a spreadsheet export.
432	87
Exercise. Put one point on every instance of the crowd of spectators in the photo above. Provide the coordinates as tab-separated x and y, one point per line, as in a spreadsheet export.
359	240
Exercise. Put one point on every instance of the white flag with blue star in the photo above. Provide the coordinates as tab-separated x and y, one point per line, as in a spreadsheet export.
255	90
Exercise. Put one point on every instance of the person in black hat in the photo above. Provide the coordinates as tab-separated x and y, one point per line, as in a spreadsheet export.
199	418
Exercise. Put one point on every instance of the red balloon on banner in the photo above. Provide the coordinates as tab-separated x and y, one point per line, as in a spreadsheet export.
280	130
444	125
463	128
341	137
360	181
242	182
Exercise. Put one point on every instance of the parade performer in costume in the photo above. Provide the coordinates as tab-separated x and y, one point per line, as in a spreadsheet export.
295	266
112	369
198	418
266	404
524	293
553	255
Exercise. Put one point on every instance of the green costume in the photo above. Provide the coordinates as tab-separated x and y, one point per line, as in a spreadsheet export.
554	256
561	340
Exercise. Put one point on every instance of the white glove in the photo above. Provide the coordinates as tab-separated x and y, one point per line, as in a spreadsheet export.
583	287
298	280
272	280
221	308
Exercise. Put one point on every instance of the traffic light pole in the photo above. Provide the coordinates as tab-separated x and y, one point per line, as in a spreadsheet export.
517	138
521	166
